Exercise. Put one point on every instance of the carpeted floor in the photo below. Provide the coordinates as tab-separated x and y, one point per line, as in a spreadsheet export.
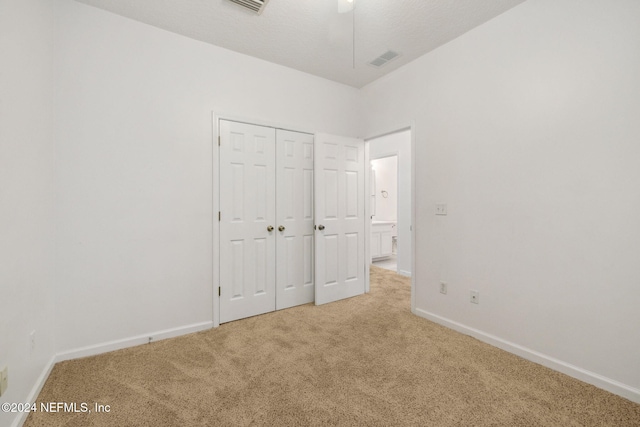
362	361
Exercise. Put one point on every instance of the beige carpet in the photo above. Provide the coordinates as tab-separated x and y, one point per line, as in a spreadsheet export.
363	361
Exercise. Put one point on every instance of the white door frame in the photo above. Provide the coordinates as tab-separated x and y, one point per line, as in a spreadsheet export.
367	218
411	128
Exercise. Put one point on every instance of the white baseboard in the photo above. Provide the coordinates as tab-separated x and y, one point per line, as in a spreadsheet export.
132	341
592	378
104	348
404	273
35	391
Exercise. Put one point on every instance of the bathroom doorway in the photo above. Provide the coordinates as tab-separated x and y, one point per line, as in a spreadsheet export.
390	199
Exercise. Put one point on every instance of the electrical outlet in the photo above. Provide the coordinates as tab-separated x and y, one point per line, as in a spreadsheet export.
441	208
475	297
32	341
4	380
443	288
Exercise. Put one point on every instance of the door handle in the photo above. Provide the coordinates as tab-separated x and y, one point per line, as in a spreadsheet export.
281	228
270	229
321	227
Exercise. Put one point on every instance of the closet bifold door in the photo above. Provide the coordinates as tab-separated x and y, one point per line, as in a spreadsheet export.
247	220
294	211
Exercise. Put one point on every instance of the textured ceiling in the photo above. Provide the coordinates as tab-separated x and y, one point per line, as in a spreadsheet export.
311	36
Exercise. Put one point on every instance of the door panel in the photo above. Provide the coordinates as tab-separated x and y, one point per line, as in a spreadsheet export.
247	200
294	277
339	213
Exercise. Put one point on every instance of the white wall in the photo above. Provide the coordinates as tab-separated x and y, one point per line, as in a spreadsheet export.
134	175
386	174
527	127
26	195
399	143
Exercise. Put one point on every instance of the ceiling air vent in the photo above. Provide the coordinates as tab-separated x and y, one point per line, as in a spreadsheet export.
256	6
384	58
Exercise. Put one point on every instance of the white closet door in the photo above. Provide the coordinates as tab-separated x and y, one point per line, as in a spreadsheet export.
247	200
294	210
339	217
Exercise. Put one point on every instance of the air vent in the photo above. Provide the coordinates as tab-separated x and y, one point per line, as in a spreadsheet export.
256	6
378	62
384	58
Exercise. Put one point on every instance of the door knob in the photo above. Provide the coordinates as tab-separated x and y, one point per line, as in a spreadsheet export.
270	228
321	227
281	228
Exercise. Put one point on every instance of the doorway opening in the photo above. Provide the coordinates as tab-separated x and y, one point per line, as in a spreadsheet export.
391	202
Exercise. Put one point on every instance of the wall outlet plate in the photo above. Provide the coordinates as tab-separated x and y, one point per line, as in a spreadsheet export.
475	297
4	380
441	208
443	288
